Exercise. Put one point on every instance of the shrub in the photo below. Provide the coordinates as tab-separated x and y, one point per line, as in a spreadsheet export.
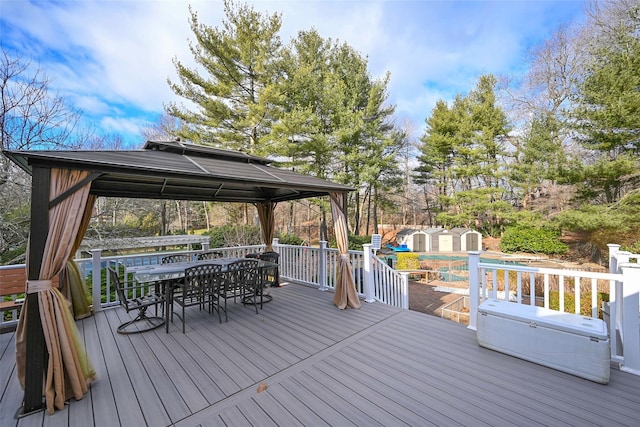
534	240
234	235
290	239
570	302
355	242
408	261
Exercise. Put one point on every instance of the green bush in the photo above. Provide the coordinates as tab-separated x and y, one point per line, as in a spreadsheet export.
533	240
408	261
290	239
570	302
234	235
10	255
355	242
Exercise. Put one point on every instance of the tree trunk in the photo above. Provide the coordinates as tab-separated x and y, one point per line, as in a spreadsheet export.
323	224
375	211
164	226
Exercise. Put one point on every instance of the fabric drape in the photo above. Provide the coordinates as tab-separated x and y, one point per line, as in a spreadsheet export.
68	371
266	214
346	295
75	289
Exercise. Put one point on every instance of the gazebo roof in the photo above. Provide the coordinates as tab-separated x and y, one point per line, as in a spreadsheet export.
181	171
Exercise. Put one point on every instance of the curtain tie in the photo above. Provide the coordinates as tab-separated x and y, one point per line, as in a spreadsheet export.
34	286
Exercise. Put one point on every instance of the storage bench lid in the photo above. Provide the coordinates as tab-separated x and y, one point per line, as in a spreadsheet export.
568	322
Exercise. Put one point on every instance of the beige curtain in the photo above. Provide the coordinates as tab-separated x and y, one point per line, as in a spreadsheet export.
267	222
74	287
68	371
346	295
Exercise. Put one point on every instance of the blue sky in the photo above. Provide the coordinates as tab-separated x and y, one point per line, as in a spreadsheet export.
112	58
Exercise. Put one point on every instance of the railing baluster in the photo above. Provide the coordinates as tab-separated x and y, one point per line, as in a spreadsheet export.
561	292
532	288
594	298
577	290
546	291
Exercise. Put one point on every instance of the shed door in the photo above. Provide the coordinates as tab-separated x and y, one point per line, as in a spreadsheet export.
446	243
472	242
419	243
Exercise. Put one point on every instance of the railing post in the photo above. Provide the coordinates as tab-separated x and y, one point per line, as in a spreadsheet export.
275	243
474	287
205	246
405	290
96	273
322	266
630	317
615	314
369	295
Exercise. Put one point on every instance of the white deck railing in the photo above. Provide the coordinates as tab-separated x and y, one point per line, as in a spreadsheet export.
529	285
374	279
314	266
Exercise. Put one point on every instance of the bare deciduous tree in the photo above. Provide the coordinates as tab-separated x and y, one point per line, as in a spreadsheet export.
30	117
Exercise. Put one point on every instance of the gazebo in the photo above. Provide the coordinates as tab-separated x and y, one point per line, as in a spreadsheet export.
65	185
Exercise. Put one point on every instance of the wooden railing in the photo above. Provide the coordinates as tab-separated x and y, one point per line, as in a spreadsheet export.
535	286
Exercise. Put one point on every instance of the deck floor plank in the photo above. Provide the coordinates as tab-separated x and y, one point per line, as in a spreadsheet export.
141	394
298	409
321	408
451	374
378	365
325	392
101	390
574	401
81	409
158	381
11	400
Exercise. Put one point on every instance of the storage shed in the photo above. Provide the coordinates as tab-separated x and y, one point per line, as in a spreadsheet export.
418	240
470	240
445	241
414	239
430	233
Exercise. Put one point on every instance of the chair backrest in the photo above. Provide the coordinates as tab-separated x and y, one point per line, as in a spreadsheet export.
208	275
242	272
175	258
243	264
209	255
115	280
269	256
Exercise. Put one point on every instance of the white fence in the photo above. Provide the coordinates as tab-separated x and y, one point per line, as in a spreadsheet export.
374	279
535	286
308	265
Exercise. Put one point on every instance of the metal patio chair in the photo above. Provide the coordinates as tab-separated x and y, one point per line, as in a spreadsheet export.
241	283
202	287
137	297
209	255
176	258
270	275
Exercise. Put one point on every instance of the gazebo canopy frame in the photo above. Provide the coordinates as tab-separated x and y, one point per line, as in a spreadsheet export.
161	170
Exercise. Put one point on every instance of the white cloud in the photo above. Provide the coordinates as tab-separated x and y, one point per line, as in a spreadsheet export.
106	55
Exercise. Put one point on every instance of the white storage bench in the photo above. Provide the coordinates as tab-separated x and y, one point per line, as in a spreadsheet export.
564	341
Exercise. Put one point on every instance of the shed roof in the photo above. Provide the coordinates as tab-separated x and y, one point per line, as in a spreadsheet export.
463	230
181	171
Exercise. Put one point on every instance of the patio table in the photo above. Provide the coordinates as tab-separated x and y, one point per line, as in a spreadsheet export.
170	273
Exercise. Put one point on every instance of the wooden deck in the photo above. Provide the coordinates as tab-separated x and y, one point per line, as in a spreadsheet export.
374	366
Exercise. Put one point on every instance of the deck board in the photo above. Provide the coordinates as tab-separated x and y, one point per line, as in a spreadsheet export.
378	365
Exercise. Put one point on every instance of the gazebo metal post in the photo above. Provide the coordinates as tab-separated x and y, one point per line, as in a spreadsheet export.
36	352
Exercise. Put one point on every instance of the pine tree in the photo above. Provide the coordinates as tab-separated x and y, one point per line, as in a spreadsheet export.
240	61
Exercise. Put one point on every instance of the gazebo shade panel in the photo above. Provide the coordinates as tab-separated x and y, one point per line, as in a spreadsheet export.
181	171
